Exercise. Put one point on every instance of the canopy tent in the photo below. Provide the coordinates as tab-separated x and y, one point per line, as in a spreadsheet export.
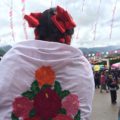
116	65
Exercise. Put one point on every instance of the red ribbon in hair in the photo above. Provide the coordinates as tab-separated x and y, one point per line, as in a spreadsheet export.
60	25
33	19
63	20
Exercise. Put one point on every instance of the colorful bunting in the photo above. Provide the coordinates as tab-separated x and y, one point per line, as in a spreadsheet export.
24	23
95	29
23	1
83	5
11	20
113	15
99	54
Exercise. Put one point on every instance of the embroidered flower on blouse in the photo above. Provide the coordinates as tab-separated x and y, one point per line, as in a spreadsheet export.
71	104
22	106
45	100
62	117
33	118
47	103
45	75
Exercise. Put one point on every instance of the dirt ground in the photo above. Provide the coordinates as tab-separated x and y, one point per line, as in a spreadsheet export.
102	107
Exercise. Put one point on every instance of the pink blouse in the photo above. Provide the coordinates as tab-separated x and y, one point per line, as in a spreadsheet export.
18	66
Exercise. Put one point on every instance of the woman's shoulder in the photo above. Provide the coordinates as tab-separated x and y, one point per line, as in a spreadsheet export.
47	46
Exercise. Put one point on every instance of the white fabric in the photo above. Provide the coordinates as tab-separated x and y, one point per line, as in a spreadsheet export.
18	66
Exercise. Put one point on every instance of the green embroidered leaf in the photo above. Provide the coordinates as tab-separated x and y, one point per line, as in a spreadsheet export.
77	116
28	94
50	118
35	87
45	86
32	113
13	117
57	87
64	93
62	111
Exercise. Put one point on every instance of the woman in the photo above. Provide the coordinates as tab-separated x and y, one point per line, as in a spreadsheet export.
47	78
103	82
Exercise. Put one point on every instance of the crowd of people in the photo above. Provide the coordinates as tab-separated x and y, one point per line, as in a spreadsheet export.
108	81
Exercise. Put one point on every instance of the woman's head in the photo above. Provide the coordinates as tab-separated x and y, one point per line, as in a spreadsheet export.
54	24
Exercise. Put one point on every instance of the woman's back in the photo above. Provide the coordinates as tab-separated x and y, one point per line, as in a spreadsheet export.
18	66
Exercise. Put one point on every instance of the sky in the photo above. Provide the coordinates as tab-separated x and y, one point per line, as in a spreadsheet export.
94	19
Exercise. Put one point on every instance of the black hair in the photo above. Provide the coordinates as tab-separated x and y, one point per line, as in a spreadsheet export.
47	30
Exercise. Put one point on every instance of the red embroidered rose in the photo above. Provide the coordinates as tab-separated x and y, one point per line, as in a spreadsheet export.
47	103
45	75
33	118
22	106
71	104
62	117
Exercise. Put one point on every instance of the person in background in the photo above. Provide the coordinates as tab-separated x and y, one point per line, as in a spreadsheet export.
97	79
113	87
50	53
109	78
103	82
